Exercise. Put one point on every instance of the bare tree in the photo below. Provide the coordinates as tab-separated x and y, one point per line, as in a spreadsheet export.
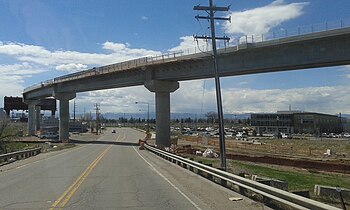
7	133
211	117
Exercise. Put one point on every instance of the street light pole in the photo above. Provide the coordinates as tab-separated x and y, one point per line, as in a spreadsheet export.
138	102
147	118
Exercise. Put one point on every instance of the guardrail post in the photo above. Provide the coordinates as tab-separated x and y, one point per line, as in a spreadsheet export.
223	182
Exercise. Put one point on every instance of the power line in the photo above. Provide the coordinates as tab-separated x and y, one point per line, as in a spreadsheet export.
211	9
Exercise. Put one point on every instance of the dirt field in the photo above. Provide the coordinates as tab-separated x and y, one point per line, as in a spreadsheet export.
294	148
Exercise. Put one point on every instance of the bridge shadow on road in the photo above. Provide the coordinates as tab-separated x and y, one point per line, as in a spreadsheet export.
103	142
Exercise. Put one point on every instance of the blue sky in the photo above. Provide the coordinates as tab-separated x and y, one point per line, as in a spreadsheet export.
42	39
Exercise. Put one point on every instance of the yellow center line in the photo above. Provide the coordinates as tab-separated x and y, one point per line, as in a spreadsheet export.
66	196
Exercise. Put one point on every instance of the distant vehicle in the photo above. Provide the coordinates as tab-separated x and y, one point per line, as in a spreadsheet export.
346	135
114	131
11	160
332	135
285	135
241	135
49	135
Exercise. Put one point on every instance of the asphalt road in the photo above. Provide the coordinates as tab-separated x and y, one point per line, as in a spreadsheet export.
115	176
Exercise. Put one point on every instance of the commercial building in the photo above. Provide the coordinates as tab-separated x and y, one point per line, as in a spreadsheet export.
50	124
296	122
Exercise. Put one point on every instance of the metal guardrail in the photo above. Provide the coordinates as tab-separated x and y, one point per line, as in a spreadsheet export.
233	45
20	154
280	196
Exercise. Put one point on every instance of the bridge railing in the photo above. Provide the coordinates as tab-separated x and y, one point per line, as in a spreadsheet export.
234	44
296	31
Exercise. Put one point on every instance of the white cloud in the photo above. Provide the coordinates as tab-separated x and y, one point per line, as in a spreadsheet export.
71	67
144	18
347	71
238	100
124	50
27	60
12	78
189	98
116	100
189	44
41	56
261	20
19	69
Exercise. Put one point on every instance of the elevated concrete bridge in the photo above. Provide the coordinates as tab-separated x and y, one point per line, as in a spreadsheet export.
161	74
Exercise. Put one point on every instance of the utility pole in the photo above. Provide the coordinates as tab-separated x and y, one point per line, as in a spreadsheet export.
211	9
97	109
74	107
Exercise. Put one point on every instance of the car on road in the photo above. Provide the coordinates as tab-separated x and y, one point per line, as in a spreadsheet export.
49	135
114	131
346	135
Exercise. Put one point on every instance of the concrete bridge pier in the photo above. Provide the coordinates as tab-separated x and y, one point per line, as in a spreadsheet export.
37	117
162	90
64	114
32	116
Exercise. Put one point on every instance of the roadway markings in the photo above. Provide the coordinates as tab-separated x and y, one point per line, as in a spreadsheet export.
67	195
55	155
122	139
166	179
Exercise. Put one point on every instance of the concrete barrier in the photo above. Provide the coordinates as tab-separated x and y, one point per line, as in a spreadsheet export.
331	193
19	155
280	184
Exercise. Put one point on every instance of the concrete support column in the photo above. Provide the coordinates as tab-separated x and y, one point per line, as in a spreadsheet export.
31	116
53	113
37	117
64	114
162	90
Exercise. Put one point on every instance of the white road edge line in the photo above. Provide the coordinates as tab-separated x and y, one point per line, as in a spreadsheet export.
176	188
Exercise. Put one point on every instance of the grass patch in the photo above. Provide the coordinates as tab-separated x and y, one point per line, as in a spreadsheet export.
16	146
296	180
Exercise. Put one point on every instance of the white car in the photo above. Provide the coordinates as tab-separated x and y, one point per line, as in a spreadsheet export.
49	135
346	135
285	135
